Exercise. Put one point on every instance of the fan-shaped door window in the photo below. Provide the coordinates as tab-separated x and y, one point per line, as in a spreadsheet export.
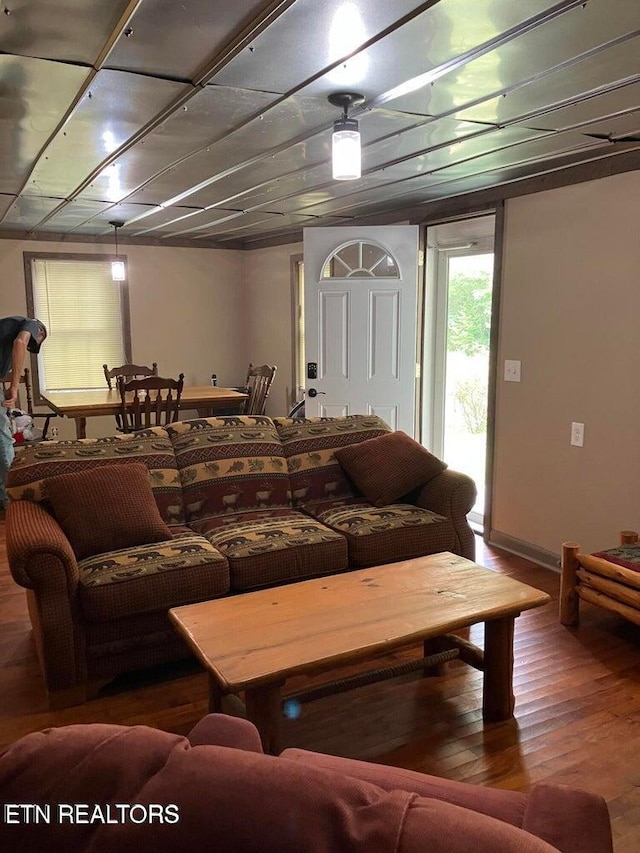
361	259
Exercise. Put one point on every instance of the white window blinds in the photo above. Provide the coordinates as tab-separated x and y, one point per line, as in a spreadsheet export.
82	309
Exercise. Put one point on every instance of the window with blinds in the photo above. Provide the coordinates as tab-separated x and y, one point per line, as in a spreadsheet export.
86	315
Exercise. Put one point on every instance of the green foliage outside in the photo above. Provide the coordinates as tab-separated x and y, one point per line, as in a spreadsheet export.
469	313
468	332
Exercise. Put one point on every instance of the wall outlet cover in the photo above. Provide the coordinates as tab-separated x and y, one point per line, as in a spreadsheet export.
511	370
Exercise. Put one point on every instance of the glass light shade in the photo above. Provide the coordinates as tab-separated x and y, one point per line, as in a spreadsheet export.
117	271
346	153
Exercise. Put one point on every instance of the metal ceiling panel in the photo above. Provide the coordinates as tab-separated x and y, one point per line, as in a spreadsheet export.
169	39
533	101
212	113
282	168
538	58
480	181
275	128
617	127
210	121
445	150
180	220
67	30
111	112
26	212
519	153
76	213
428	46
34	95
231	223
439	142
5	203
160	218
600	108
313	36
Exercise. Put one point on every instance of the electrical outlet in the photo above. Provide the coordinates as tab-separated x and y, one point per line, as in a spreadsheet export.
577	434
511	370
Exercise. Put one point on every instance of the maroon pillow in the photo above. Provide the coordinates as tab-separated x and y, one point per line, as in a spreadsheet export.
107	508
388	467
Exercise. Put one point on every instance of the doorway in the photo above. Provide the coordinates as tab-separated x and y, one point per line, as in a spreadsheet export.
456	347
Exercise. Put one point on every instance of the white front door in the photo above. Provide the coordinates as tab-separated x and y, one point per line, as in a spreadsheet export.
360	322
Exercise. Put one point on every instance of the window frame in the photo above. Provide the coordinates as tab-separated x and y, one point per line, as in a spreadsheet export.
125	316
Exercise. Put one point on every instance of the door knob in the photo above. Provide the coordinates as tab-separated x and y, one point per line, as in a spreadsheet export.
312	392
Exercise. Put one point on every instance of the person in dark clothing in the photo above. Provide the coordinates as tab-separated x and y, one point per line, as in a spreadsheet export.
17	336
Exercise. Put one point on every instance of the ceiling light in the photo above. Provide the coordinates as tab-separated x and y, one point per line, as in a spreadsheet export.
346	154
118	272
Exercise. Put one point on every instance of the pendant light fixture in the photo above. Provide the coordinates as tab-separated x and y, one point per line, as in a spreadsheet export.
346	154
118	272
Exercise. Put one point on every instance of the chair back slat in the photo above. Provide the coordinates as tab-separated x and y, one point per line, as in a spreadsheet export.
127	371
258	384
25	380
149	401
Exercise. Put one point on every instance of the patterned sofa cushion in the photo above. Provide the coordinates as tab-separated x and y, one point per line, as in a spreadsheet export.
230	464
377	535
309	446
277	546
35	463
152	577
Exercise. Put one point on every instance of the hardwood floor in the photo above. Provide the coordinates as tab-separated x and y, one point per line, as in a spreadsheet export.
577	716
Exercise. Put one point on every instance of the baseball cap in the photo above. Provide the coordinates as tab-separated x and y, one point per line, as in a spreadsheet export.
34	345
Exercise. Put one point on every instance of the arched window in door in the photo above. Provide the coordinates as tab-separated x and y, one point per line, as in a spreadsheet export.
361	259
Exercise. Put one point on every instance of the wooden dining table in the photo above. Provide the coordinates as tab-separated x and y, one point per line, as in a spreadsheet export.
80	405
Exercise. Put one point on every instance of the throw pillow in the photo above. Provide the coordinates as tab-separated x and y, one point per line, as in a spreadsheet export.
107	508
388	467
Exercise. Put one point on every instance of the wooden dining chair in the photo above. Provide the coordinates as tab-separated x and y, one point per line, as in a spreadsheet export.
150	401
258	384
26	405
128	371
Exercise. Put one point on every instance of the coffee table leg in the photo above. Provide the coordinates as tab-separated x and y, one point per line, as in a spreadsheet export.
498	700
432	646
264	709
215	696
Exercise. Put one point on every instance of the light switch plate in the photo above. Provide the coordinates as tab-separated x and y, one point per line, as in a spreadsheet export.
577	434
511	371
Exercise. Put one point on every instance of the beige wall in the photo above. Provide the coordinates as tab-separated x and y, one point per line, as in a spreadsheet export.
187	310
570	312
267	286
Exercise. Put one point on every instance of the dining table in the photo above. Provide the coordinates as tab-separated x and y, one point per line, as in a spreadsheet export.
80	405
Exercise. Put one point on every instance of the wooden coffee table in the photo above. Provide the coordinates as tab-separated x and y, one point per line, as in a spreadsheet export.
253	642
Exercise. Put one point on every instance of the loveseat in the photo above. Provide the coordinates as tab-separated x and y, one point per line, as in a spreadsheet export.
116	788
227	505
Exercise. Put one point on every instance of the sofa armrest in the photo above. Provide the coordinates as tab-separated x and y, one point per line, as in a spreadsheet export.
570	819
452	494
224	730
35	541
507	806
449	493
42	560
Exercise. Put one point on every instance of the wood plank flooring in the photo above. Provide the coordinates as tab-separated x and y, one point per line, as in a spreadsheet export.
577	716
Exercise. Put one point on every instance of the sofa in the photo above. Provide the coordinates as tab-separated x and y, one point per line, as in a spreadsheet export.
228	505
116	788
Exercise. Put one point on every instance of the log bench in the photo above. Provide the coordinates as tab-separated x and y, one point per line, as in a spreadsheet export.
609	579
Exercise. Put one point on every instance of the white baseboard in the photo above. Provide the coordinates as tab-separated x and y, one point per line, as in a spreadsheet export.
524	549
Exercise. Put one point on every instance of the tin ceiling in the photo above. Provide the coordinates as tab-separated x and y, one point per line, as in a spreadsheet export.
207	120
